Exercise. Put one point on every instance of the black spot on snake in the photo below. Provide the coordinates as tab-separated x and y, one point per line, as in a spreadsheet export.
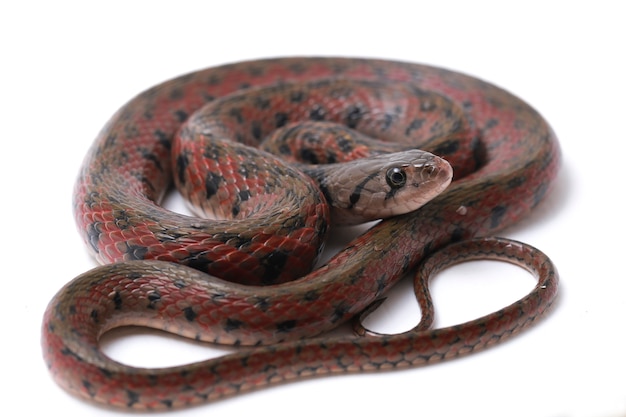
539	194
122	219
146	182
117	300
256	71
93	236
244	171
381	284
317	113
283	149
110	140
306	155
203	397
244	195
197	260
406	264
497	213
355	278
515	182
297	96
281	119
479	153
387	121
190	315
96	178
311	295
133	397
297	68
326	193
176	94
338	313
214	79
491	123
235	210
262	303
105	372
285	326
310	137
232	324
153	299
236	114
448	147
134	275
355	114
187	388
344	144
89	387
181	115
212	183
457	235
67	352
135	252
273	263
256	130
416	124
207	97
163	139
261	102
182	162
149	156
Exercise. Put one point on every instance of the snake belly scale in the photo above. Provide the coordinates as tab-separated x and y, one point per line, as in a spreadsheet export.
501	174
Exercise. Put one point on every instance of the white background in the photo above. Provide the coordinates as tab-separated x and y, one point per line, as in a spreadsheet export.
66	67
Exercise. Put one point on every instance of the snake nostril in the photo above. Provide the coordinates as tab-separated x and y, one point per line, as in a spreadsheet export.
429	168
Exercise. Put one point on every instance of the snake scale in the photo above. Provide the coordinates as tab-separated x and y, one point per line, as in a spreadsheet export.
505	159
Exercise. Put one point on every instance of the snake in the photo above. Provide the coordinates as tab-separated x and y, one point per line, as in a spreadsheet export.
200	279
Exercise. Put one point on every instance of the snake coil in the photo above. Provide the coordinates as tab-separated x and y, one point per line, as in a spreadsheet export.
512	161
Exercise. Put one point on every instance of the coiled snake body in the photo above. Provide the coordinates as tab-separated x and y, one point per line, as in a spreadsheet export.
505	158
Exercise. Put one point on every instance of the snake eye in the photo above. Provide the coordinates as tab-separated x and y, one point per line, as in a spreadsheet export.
396	177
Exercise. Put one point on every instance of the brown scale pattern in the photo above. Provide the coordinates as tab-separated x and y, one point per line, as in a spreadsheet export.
129	168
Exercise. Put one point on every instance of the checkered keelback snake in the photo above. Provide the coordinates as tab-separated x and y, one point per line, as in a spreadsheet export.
504	170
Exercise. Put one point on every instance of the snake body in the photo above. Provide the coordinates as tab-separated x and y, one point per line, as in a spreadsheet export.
504	170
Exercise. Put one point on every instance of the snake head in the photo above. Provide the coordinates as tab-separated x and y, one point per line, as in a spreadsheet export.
384	185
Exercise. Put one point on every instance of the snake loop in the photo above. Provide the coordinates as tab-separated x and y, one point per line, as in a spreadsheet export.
505	158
